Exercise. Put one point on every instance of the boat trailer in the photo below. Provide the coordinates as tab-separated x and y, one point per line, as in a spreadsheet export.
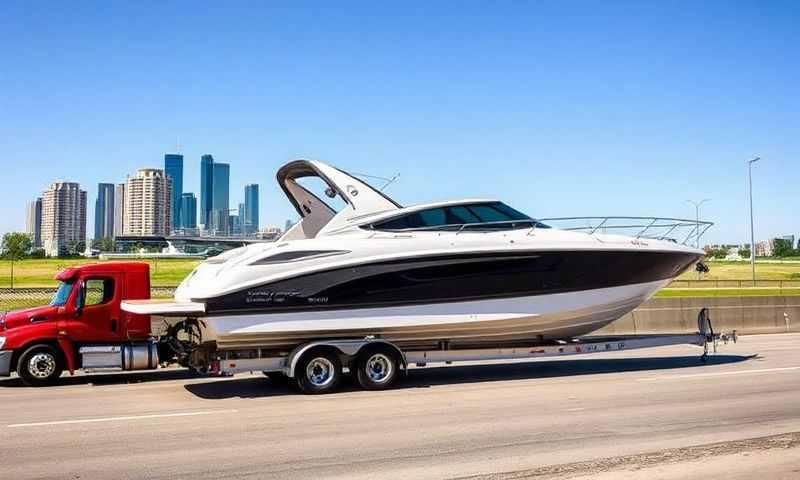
229	362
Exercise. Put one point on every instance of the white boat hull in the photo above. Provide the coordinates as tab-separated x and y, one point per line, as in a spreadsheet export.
538	318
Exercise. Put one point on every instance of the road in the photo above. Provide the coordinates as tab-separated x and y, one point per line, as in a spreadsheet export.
654	413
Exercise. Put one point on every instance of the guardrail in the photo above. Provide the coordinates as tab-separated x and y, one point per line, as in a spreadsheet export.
777	284
18	298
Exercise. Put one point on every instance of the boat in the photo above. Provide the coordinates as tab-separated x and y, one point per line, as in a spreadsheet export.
463	274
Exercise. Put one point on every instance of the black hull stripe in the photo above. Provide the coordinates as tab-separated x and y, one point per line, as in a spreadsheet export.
454	278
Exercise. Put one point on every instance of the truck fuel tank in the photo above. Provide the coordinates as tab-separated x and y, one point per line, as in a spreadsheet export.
128	356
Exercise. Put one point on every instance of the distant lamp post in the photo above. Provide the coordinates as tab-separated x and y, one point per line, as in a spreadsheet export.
752	231
697	218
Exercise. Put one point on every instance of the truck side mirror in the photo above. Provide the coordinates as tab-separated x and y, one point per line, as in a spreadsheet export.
80	299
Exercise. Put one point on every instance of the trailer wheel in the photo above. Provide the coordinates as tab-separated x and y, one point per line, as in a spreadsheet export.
40	365
377	368
318	371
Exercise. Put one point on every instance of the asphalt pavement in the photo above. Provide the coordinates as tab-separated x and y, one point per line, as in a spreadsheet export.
656	413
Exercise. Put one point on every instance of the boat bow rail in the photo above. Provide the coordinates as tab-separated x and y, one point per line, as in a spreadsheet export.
682	231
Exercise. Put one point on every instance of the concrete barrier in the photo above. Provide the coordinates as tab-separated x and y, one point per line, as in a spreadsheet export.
747	315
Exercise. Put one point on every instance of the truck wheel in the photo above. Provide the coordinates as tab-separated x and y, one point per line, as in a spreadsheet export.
318	372
377	368
40	365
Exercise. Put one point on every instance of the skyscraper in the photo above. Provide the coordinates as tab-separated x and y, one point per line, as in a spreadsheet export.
188	211
33	222
104	211
220	198
148	203
119	209
63	217
173	166
206	189
239	228
250	218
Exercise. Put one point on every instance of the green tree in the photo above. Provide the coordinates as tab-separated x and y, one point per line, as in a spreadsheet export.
782	248
105	244
744	253
15	246
75	248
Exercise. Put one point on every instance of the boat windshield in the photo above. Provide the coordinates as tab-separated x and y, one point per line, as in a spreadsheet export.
477	216
62	294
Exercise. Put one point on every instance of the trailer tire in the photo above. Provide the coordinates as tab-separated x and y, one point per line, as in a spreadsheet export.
40	365
377	367
318	371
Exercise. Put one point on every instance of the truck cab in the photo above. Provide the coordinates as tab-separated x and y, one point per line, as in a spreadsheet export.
82	327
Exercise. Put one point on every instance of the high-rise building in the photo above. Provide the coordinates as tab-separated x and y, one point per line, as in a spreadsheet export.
287	225
238	227
33	222
148	203
206	189
765	248
119	209
173	166
250	217
104	211
221	188
236	224
63	217
220	223
188	211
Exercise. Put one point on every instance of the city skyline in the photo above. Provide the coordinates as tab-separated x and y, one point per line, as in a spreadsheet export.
113	208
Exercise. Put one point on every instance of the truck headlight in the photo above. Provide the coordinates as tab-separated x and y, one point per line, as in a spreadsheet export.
2	342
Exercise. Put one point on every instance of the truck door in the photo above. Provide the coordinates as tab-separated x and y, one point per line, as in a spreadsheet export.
97	315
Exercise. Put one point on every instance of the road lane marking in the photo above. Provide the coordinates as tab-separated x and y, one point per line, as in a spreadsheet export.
120	419
717	374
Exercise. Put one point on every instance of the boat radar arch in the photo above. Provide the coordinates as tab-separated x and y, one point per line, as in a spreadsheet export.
317	217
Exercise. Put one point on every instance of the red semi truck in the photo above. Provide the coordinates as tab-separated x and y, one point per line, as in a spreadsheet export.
83	327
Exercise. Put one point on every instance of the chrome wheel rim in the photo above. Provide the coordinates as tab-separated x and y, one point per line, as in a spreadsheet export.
379	368
42	365
320	372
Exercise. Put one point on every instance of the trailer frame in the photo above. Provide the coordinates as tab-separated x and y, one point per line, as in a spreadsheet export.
229	362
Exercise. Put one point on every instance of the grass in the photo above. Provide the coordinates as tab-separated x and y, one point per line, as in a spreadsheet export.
40	272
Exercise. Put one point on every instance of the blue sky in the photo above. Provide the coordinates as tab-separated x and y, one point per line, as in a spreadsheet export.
558	108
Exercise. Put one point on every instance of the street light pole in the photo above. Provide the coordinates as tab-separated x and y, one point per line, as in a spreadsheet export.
752	231
697	219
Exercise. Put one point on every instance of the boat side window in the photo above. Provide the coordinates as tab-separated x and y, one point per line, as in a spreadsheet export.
461	215
433	217
488	214
499	215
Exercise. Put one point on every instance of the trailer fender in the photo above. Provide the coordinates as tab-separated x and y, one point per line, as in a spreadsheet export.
69	353
349	348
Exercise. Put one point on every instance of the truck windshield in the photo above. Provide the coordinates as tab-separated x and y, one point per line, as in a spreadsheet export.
62	294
